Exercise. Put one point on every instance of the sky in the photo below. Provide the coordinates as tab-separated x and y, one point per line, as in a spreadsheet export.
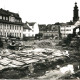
41	11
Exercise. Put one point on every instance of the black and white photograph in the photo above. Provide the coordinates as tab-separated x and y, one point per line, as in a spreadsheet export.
40	39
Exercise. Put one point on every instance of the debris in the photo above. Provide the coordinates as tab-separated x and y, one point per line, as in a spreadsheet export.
5	61
17	63
67	69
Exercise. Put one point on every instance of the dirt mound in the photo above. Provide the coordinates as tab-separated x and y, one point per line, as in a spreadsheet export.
45	44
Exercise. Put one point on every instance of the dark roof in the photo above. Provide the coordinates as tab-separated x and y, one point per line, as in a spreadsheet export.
70	23
31	23
8	13
42	25
26	26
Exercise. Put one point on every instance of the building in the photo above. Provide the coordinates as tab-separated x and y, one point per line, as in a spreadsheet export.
67	28
49	31
75	13
30	29
10	24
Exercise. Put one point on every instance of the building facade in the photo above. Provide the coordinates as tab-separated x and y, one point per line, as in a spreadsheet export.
30	29
10	24
65	30
49	31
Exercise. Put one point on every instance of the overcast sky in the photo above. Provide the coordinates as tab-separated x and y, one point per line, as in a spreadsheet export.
41	11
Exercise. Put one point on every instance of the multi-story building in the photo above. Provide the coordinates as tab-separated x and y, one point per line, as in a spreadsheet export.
10	24
30	29
49	30
65	30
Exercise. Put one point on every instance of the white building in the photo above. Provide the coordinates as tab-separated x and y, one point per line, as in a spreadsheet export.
10	24
66	29
30	29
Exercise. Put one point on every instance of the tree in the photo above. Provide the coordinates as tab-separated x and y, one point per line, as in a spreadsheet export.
68	39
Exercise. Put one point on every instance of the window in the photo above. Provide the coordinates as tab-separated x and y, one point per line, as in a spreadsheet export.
10	26
15	34
0	33
3	18
32	34
5	34
15	27
6	18
4	26
20	34
12	34
0	26
20	27
68	29
0	17
7	26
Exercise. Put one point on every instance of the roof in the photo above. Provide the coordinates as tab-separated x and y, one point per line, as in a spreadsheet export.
7	22
41	25
26	26
8	13
31	23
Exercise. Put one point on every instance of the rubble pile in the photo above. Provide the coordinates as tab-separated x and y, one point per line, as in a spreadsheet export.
29	61
45	44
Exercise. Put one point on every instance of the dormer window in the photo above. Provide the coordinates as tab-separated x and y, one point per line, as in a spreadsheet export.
0	17
3	17
6	18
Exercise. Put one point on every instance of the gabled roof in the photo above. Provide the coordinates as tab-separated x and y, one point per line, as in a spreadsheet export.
26	27
31	23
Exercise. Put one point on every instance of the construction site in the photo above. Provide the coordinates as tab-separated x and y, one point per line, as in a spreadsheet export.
40	59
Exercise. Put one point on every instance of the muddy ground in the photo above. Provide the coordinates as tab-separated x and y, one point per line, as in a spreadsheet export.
42	70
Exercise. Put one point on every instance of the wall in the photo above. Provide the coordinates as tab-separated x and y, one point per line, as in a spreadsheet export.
67	29
15	30
31	33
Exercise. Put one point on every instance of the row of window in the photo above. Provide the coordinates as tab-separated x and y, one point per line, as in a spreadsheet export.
66	30
4	18
66	26
16	34
13	34
12	19
29	30
6	26
30	35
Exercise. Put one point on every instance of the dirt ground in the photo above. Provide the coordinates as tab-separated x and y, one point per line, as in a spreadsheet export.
45	72
56	74
41	43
